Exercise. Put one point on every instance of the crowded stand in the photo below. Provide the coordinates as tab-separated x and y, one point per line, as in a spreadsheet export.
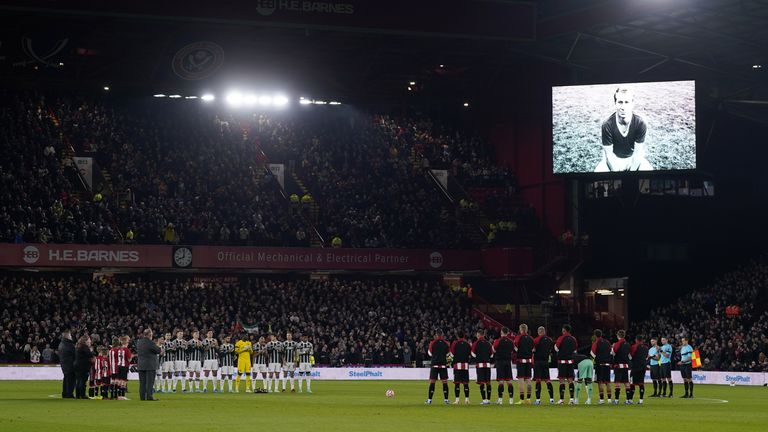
370	195
36	181
728	321
186	175
390	325
195	184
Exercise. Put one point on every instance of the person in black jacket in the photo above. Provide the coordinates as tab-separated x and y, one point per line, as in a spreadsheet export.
83	359
148	352
67	359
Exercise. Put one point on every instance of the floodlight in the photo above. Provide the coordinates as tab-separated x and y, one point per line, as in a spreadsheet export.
280	100
235	98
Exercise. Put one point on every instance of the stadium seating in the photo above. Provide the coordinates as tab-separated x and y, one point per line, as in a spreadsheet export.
351	321
183	174
729	343
37	176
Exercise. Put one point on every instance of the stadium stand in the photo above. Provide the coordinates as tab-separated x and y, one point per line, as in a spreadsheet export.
728	343
352	321
38	180
192	176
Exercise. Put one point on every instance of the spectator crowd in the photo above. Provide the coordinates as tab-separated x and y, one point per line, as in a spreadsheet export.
351	321
726	341
184	173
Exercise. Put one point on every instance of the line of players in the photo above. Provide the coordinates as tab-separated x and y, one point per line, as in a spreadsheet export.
108	377
196	361
533	360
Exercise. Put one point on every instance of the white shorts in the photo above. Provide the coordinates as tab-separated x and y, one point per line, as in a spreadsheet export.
259	367
305	367
228	370
289	367
180	366
273	367
194	366
168	367
211	365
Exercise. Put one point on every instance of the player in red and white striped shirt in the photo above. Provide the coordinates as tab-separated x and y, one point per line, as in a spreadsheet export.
100	373
119	359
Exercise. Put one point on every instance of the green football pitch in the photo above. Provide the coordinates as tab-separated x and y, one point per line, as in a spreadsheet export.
362	406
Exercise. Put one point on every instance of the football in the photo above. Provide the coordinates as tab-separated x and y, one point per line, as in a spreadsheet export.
390	393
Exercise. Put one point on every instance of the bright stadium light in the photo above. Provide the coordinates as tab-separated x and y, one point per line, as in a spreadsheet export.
303	101
466	104
106	88
250	99
280	100
413	83
235	98
334	103
174	96
190	97
159	95
208	97
320	102
265	100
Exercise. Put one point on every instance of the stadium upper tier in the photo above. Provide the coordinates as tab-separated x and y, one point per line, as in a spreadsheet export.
167	172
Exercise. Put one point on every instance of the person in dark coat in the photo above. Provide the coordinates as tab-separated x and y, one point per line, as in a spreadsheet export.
67	359
83	360
148	352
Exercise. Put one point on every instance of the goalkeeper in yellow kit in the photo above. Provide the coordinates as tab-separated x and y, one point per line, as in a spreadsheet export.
243	349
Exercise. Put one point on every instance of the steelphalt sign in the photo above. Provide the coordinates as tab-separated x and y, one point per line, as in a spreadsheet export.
218	257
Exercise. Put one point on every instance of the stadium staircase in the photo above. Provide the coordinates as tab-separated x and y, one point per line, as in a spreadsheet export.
469	220
101	177
293	184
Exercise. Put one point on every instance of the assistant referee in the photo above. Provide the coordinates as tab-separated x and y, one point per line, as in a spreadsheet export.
686	367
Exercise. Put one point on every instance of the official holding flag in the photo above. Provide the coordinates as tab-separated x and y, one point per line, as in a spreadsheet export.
686	367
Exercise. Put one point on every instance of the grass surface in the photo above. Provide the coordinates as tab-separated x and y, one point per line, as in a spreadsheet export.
362	406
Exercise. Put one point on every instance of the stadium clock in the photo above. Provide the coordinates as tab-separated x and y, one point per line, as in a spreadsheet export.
182	257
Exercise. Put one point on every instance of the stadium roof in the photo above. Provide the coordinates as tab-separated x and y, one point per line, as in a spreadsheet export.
132	44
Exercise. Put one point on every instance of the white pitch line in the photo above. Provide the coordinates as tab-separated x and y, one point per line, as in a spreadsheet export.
714	400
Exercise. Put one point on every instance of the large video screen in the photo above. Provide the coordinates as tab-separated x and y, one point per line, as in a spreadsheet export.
624	127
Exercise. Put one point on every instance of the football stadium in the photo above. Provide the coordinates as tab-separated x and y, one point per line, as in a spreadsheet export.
329	215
